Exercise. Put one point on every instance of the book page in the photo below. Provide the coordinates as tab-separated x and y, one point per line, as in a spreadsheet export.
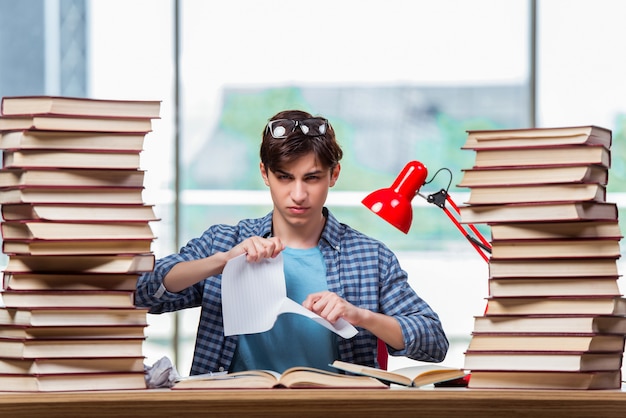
254	294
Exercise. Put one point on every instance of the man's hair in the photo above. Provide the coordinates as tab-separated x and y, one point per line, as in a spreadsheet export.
275	153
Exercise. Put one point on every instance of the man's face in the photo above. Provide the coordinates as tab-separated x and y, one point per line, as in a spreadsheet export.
299	189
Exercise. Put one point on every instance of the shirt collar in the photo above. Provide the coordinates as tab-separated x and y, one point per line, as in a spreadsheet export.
332	230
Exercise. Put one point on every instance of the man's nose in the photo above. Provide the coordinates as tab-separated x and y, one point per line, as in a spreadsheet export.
298	192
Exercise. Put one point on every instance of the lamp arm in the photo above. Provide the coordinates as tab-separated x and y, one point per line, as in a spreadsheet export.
481	245
484	243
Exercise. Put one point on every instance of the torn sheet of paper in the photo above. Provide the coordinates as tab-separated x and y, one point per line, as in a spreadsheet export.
254	294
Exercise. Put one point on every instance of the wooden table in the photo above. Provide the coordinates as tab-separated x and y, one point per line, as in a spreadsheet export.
298	403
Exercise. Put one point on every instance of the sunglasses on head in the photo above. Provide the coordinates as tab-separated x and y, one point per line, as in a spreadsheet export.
282	128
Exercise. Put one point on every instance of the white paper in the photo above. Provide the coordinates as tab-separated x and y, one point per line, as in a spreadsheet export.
254	294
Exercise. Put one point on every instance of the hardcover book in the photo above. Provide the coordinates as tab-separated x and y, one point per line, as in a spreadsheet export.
42	366
75	123
547	137
554	286
562	192
71	348
37	159
556	230
75	195
70	177
539	212
574	154
114	141
527	175
589	342
79	106
570	267
552	249
47	230
574	305
545	380
70	281
123	264
68	298
59	212
77	246
63	382
66	317
563	361
606	324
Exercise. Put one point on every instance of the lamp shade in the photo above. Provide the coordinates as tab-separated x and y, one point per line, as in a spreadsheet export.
393	204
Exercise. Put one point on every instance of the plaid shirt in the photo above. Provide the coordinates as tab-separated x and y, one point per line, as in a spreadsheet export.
360	269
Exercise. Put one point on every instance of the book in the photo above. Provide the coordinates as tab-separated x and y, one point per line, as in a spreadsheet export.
57	332
547	342
114	141
134	263
565	192
571	267
71	347
545	380
412	376
67	298
70	159
79	106
52	230
293	378
554	286
75	123
47	281
78	212
67	177
64	382
608	324
77	247
39	317
556	305
526	175
556	230
575	154
535	212
84	195
563	361
552	249
547	137
40	366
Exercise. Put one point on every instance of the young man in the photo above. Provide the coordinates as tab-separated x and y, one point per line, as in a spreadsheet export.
332	269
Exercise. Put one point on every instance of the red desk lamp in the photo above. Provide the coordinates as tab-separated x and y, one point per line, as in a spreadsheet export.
393	204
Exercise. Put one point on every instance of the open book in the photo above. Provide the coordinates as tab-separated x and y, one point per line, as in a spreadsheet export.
413	376
293	378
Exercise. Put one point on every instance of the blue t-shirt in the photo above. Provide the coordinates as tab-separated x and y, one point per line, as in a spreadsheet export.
294	340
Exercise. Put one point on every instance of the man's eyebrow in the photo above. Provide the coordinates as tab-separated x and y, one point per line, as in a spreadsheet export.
285	173
282	172
314	173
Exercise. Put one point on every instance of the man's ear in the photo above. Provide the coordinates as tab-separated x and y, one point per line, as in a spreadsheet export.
334	175
264	174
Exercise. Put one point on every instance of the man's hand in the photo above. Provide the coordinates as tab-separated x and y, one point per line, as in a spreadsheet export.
331	307
257	248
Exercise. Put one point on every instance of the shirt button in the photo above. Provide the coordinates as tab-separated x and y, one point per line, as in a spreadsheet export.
221	369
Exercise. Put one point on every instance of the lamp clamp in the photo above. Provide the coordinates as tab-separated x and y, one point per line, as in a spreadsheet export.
438	199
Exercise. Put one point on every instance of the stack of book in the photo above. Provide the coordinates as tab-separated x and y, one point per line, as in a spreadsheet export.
555	318
77	235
